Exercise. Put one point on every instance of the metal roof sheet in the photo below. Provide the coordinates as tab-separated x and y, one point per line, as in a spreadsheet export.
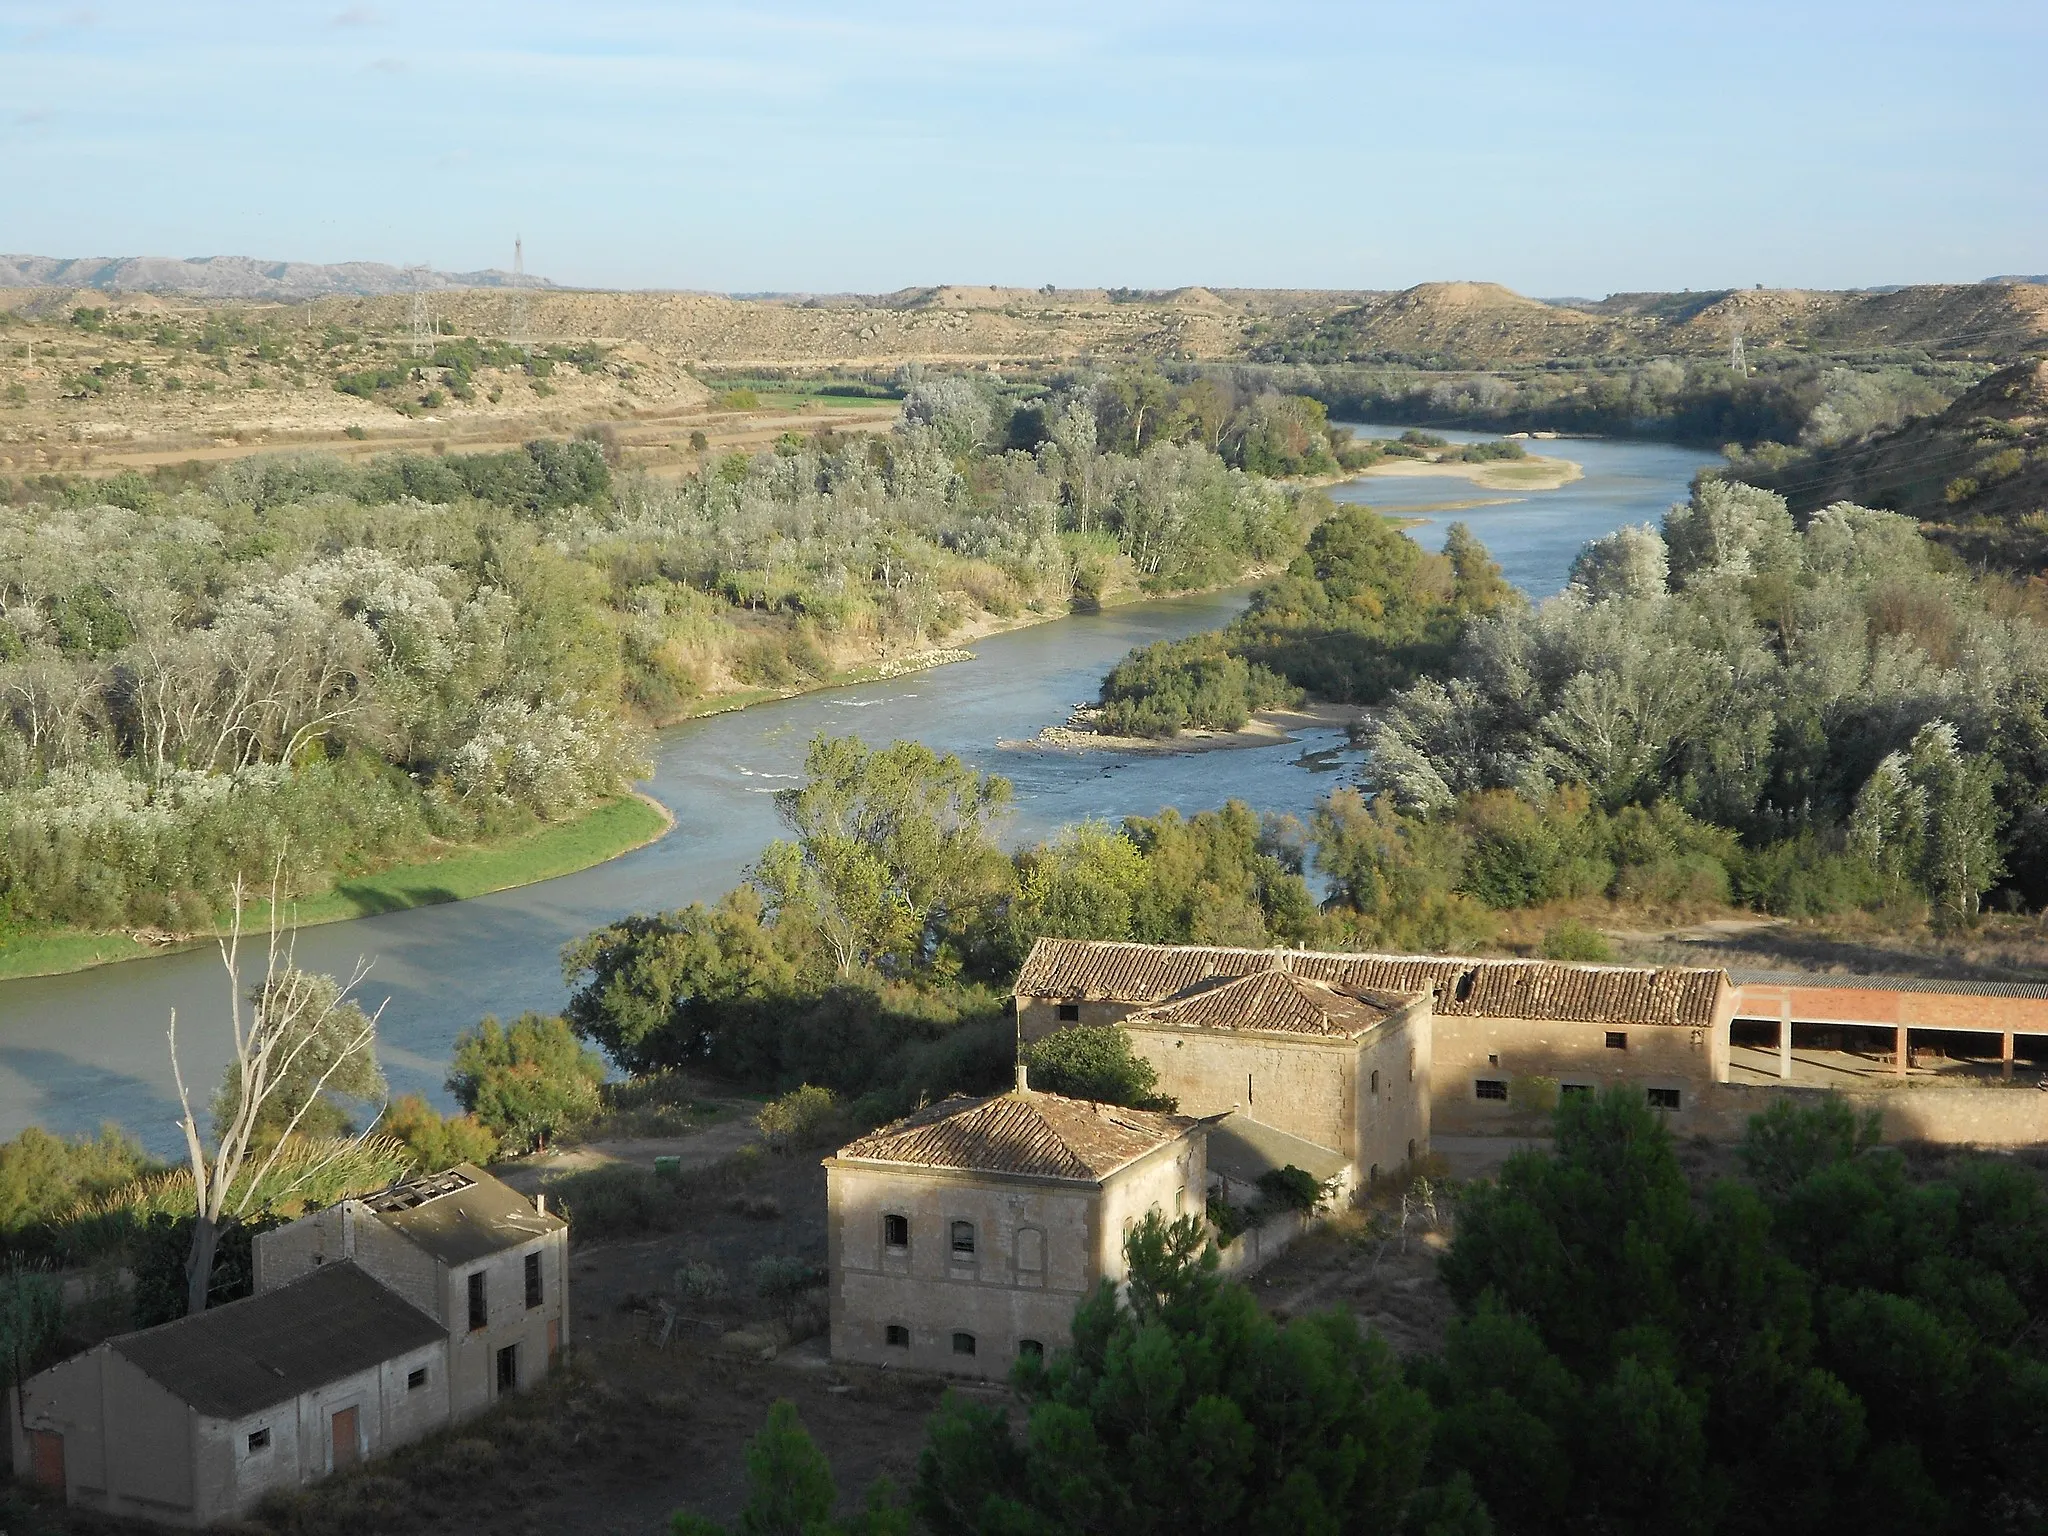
1150	974
1023	1132
234	1360
461	1215
1852	982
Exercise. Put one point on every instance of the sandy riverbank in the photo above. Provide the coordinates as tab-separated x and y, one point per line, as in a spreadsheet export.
1267	728
1535	473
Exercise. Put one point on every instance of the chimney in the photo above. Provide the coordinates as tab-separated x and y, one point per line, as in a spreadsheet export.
540	1203
1023	1078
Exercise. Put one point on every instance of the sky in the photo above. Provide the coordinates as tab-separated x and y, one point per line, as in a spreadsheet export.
867	145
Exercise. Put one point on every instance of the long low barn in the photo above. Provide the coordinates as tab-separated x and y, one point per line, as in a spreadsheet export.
1494	1021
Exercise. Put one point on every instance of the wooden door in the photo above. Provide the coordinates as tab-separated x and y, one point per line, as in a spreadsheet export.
347	1449
46	1458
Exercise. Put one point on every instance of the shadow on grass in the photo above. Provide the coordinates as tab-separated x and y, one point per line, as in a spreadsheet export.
369	898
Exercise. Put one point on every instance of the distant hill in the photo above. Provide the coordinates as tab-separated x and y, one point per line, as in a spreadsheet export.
243	277
1976	475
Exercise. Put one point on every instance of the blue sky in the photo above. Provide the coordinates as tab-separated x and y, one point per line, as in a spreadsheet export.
870	144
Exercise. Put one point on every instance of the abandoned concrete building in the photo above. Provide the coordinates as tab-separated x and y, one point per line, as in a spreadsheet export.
1499	1040
373	1322
965	1235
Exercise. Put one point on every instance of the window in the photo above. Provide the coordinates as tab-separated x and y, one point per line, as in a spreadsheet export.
533	1279
1617	1039
1375	1083
1575	1090
1493	1058
963	1343
896	1336
1031	1348
963	1240
1663	1098
508	1368
1490	1088
479	1309
414	1380
1070	1013
895	1231
1411	1149
259	1440
1030	1250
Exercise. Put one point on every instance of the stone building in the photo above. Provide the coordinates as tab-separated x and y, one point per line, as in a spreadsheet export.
466	1249
1486	1025
1346	1069
965	1235
374	1322
195	1421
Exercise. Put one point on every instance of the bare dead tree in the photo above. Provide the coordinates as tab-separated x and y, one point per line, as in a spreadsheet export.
273	1027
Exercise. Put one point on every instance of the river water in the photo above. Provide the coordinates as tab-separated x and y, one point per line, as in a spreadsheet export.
81	1049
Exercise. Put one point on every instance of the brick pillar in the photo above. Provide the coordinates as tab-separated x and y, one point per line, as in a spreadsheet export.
2005	1057
1785	1039
1899	1066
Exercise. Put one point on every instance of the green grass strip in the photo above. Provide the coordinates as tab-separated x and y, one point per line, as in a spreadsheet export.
607	830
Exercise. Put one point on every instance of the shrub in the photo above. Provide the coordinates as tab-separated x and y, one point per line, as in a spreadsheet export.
798	1119
527	1082
1574	940
438	1141
1293	1189
1095	1062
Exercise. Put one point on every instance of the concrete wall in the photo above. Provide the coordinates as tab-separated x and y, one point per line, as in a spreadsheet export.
1073	1230
350	1230
1303	1085
473	1356
1467	1050
1989	1116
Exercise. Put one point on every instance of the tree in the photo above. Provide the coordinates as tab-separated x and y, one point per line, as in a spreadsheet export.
1182	1407
790	1491
438	1141
325	1056
31	1320
1960	860
526	1082
1095	1062
890	843
291	1015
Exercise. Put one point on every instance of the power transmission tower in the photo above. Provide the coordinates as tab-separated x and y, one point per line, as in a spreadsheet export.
1736	360
522	319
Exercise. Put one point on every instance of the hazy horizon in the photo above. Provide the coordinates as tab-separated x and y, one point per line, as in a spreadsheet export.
796	149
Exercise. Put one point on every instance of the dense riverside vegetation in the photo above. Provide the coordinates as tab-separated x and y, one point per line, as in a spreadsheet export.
1807	719
354	665
1360	612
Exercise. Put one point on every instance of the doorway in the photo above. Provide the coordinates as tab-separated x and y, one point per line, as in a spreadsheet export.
46	1458
348	1449
508	1368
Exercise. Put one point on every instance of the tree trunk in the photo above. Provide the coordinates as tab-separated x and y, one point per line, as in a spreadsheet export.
199	1265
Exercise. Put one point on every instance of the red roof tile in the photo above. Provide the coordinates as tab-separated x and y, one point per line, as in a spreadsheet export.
1021	1132
1274	1001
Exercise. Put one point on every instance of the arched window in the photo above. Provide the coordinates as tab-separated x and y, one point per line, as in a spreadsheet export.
1375	1082
896	1336
963	1343
1030	1250
1032	1348
963	1240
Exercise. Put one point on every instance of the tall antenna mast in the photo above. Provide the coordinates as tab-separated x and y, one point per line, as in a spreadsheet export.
422	316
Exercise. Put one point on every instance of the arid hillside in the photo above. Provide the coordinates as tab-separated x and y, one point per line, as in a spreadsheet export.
1976	475
98	380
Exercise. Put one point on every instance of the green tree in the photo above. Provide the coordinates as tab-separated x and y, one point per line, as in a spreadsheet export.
31	1321
891	845
438	1141
1095	1063
1960	859
1183	1407
326	1068
526	1082
790	1491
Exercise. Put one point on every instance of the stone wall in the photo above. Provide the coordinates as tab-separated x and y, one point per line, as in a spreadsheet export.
1523	1052
1986	1116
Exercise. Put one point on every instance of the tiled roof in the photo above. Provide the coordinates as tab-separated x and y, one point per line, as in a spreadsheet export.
1148	974
1021	1132
461	1215
1275	1001
234	1360
1844	980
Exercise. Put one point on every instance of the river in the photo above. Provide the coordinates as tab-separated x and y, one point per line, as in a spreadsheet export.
81	1049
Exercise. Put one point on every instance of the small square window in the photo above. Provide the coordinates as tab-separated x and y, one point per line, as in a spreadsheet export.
1490	1088
1617	1040
414	1380
1663	1098
896	1336
963	1343
895	1231
259	1440
1070	1013
1493	1058
1575	1090
963	1239
1031	1349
